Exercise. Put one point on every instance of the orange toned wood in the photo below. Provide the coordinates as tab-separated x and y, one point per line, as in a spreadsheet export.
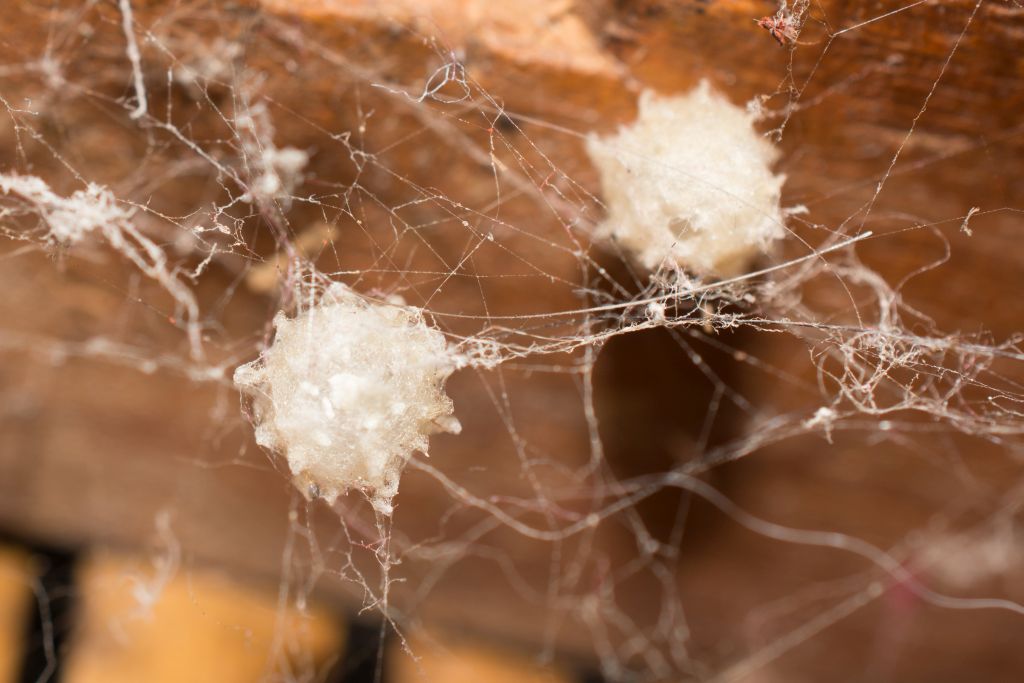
135	624
17	572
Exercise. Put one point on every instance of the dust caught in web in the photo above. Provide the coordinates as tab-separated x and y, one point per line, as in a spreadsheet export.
703	398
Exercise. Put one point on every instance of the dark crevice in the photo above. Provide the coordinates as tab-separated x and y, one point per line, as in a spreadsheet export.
49	623
363	661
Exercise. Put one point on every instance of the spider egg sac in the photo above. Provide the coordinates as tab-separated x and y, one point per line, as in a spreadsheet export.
347	391
689	184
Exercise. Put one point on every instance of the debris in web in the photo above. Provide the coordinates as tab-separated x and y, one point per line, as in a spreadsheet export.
276	170
67	219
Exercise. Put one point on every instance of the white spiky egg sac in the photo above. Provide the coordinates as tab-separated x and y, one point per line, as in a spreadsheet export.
690	184
348	391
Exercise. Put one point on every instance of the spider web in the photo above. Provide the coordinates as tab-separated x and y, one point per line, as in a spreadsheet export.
659	477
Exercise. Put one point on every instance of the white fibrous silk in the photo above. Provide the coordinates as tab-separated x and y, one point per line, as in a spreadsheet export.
348	391
67	219
690	184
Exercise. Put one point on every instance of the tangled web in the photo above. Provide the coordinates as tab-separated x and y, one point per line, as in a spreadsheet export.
632	487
